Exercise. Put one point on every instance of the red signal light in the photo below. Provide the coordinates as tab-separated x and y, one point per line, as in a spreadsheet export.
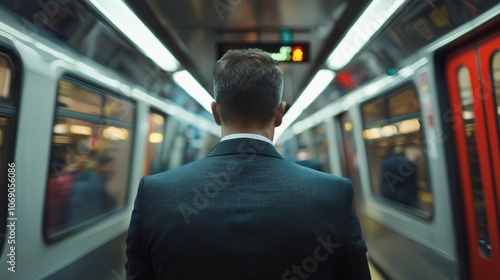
345	79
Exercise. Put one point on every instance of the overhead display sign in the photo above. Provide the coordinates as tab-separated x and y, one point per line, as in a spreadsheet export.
292	52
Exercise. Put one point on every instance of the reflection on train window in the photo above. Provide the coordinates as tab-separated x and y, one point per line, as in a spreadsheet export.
74	98
118	109
403	103
89	165
439	17
5	79
156	158
495	69
396	154
466	95
374	111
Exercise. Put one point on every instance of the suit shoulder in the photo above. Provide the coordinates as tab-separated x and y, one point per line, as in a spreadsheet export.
317	178
307	171
176	172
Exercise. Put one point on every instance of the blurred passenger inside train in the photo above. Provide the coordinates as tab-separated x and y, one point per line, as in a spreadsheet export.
244	212
58	190
89	197
304	158
399	177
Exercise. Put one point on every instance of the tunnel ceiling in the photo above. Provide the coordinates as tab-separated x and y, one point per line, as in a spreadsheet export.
192	30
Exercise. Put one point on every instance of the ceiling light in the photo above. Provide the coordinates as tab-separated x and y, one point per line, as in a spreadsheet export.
317	85
193	88
372	19
120	15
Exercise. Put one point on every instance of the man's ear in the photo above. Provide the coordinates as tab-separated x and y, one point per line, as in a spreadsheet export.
278	119
215	112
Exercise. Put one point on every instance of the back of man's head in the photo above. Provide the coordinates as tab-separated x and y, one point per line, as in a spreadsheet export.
248	86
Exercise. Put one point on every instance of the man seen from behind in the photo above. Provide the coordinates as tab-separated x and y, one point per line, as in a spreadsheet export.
244	212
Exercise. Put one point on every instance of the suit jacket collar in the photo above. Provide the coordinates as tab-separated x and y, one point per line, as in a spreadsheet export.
244	146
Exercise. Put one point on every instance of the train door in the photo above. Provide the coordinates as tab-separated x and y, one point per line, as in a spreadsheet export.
473	77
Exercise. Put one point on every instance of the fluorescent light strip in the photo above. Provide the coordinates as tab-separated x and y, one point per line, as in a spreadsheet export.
119	14
317	85
193	88
375	15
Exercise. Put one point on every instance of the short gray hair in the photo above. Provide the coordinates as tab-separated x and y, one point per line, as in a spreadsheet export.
248	87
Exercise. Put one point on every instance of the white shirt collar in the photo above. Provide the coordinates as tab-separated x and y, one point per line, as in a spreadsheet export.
246	135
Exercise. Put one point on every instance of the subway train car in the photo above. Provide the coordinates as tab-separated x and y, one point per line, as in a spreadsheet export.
414	123
75	138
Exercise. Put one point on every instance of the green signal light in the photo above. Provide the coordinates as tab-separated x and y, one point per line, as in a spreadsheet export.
390	71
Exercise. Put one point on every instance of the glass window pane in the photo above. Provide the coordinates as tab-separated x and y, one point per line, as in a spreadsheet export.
156	158
88	173
118	109
5	79
495	70
405	102
75	98
464	85
374	111
397	158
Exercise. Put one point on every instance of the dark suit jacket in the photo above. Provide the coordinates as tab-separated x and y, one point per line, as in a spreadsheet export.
244	212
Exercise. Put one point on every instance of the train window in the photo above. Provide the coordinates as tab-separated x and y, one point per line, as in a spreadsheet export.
464	86
374	111
156	158
5	79
396	154
495	69
118	109
89	164
403	103
74	98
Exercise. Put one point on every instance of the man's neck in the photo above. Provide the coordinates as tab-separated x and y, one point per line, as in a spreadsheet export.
266	132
